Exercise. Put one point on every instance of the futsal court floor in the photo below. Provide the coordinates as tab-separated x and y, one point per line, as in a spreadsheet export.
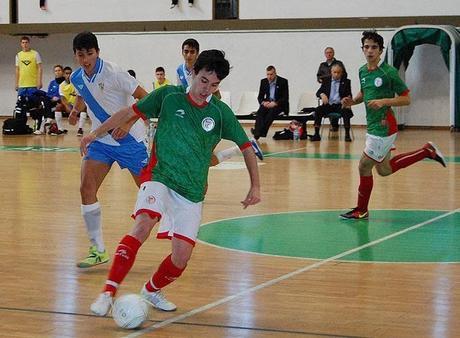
287	267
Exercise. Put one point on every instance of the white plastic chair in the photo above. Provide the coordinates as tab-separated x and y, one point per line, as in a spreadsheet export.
248	104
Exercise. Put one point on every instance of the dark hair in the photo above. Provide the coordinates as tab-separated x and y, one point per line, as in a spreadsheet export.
67	68
132	73
374	36
159	69
85	40
213	60
191	43
25	38
269	68
60	66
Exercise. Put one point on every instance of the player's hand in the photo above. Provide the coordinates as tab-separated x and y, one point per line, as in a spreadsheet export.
252	198
324	99
347	101
375	104
119	133
85	142
73	117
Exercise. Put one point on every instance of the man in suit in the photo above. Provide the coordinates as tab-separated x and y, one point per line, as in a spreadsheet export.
273	99
324	69
333	91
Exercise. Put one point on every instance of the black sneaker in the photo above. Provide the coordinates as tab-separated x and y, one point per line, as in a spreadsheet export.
315	138
347	138
80	132
355	214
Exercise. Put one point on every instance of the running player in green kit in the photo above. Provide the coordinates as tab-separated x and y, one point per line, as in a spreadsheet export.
190	125
379	84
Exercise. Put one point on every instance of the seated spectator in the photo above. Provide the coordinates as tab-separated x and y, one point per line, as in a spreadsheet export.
161	79
68	96
53	87
324	69
273	99
333	91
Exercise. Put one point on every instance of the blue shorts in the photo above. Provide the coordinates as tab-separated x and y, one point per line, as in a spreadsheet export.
131	155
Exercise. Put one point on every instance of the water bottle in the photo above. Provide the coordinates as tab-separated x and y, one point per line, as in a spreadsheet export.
296	134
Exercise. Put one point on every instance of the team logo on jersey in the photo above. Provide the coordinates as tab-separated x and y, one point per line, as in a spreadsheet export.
378	81
26	62
80	87
208	123
180	113
101	85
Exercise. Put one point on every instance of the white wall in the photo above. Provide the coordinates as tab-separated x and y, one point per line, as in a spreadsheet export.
111	10
295	54
267	9
4	11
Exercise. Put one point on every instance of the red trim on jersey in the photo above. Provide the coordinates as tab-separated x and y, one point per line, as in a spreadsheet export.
138	112
405	93
392	124
149	212
165	235
246	146
146	172
196	104
186	239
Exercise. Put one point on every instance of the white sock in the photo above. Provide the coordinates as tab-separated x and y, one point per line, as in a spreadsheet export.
228	153
42	125
92	215
58	118
82	120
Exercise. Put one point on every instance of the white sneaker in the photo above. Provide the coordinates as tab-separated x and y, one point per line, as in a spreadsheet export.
38	132
157	300
101	306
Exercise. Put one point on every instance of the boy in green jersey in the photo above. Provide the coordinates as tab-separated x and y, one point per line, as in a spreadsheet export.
190	125
381	88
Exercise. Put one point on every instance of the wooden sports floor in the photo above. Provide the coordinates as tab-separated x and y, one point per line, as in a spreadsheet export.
287	267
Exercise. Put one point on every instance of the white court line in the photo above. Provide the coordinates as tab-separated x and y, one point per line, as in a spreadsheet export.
283	277
286	151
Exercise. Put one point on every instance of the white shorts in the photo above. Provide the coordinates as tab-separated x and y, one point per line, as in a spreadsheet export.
377	147
179	217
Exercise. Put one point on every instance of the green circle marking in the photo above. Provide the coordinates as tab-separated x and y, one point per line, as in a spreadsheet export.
321	234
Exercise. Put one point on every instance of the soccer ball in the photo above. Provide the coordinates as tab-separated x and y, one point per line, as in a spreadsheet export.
130	311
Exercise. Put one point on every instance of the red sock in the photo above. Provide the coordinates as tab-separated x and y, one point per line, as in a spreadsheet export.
404	160
167	273
364	192
123	260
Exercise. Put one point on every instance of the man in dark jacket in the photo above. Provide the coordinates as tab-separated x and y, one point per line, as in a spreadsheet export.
273	99
333	91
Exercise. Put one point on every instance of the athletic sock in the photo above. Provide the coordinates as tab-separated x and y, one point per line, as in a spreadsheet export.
123	260
406	159
228	153
364	192
82	120
167	273
92	215
58	118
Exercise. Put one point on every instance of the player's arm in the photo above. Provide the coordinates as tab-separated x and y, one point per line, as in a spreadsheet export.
348	101
397	101
39	76
116	120
121	131
16	86
253	196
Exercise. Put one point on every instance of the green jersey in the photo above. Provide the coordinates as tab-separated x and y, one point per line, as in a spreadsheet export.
186	136
380	83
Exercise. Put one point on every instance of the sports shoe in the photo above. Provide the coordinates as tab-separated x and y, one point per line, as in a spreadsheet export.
315	138
80	132
257	150
38	132
435	153
101	306
157	300
94	258
355	214
59	132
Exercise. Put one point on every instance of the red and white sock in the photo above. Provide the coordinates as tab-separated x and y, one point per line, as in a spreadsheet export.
364	192
167	273
406	159
123	260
